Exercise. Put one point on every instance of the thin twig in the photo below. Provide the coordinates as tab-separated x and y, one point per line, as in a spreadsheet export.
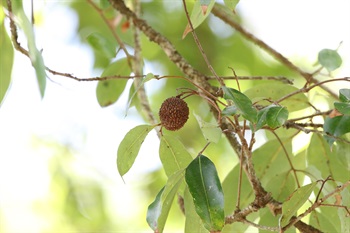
200	46
94	79
222	13
287	156
311	116
261	78
318	84
138	71
316	204
267	228
14	34
111	28
239	189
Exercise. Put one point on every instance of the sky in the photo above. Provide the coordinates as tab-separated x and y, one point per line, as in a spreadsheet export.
69	112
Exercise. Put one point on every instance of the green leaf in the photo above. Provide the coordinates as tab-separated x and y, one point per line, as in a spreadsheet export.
326	219
158	211
193	222
286	185
267	219
205	2
34	54
330	59
102	44
230	189
108	91
325	161
130	146
276	116
197	16
154	210
133	91
6	59
275	91
344	220
211	132
104	4
261	118
229	110
342	151
272	167
336	126
343	108
205	187
231	4
242	102
295	202
173	155
344	95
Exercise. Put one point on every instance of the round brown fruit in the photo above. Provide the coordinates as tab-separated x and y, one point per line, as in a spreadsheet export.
173	113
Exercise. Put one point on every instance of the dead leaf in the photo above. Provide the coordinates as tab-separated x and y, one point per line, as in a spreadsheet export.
334	113
187	30
204	9
338	199
125	26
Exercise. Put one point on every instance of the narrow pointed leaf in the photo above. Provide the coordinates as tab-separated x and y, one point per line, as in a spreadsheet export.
205	187
295	202
242	102
130	146
158	211
108	91
173	155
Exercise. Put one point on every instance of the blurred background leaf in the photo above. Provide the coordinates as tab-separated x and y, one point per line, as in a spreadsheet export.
34	54
6	58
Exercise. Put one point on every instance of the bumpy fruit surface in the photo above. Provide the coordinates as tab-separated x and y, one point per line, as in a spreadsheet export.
173	113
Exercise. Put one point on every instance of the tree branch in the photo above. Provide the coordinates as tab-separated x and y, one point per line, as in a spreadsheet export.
222	13
316	205
165	44
138	71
